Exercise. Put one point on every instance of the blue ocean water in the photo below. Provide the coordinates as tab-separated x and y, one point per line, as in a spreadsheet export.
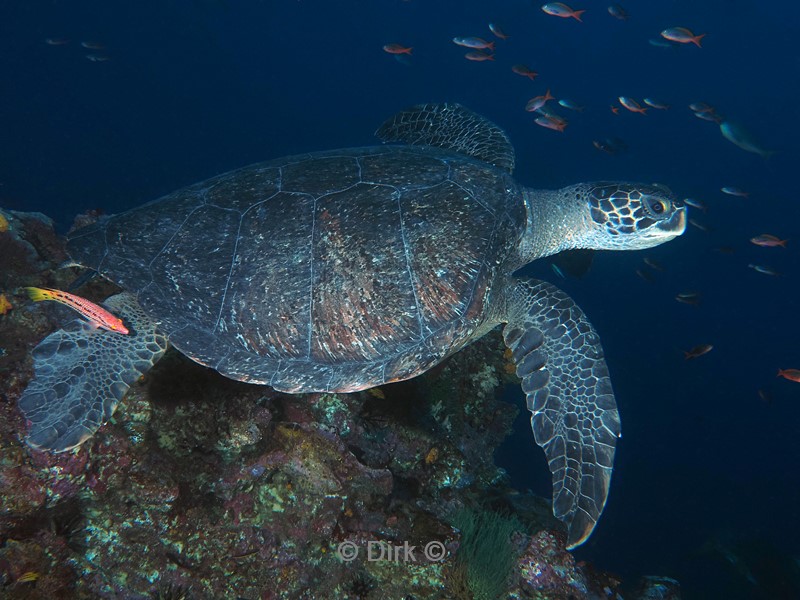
706	473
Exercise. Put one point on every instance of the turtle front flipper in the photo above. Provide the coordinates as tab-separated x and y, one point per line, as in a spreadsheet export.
558	356
81	374
452	127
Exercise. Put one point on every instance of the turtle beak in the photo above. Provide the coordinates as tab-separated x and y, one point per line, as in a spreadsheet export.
676	224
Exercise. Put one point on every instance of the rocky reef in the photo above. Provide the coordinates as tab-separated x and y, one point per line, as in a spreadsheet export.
202	487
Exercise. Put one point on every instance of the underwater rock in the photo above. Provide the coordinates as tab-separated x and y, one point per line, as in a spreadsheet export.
652	587
547	569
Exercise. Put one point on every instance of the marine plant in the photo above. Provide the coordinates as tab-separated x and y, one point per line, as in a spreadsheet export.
485	555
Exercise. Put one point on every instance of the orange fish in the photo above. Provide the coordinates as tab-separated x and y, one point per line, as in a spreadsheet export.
656	104
734	191
551	122
478	56
632	105
697	351
397	49
618	12
97	315
790	374
682	36
474	42
538	102
559	9
768	241
764	270
497	31
690	298
701	107
525	71
614	109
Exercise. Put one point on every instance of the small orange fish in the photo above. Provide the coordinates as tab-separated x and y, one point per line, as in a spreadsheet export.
698	204
652	263
497	31
700	226
764	270
768	241
632	105
616	11
697	351
614	109
97	315
525	71
559	9
734	191
701	107
682	36
690	298
474	42
656	104
551	122
478	56
397	49
538	102
790	374
709	116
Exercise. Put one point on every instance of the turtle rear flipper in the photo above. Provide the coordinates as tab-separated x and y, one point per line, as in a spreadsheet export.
81	374
560	360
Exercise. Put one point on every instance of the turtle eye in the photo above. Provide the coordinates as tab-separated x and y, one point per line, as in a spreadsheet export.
657	207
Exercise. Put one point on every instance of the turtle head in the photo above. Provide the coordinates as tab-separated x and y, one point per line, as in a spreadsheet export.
600	216
628	216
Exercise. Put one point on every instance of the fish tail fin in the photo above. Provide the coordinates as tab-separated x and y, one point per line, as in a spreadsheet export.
490	46
408	51
696	39
782	243
490	57
780	373
548	96
39	294
686	354
577	14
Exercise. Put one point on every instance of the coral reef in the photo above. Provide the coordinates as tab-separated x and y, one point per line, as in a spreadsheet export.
202	487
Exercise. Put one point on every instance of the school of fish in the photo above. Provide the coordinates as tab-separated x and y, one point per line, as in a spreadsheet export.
544	107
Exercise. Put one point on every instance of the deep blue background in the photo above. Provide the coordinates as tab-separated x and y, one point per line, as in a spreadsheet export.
197	88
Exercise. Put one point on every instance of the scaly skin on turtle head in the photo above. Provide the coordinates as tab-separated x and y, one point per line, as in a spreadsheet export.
632	216
600	216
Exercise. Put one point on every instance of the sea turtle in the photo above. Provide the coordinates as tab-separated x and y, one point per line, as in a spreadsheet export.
341	270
